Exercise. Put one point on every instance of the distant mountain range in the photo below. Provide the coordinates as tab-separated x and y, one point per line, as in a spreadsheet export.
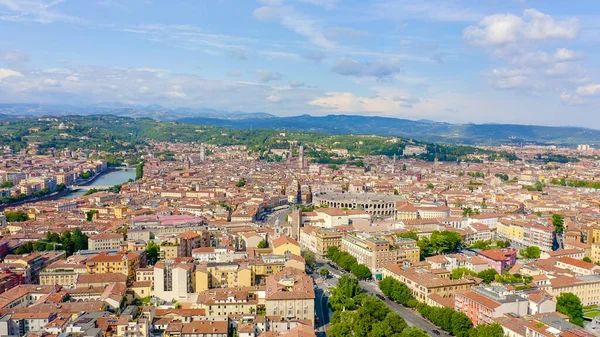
425	130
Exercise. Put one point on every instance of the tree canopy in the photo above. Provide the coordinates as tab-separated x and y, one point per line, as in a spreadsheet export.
570	305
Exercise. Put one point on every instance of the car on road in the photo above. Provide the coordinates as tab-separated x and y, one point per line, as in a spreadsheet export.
380	297
435	332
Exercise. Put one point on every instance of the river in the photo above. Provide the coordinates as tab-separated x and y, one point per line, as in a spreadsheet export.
111	178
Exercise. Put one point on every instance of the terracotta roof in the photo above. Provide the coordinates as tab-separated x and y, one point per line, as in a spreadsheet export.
479	298
282	240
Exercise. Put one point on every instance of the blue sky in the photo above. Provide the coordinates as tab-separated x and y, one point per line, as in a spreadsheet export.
504	61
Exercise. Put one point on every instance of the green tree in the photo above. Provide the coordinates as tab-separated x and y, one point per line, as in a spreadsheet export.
430	186
397	323
139	171
587	259
531	252
24	248
558	221
152	250
487	275
324	272
403	167
343	295
17	216
413	331
459	272
309	258
262	244
241	182
89	215
570	305
7	184
461	324
491	330
445	241
361	271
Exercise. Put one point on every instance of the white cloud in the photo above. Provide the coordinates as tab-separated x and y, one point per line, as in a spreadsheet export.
274	98
177	94
51	82
589	90
500	29
34	10
570	99
5	73
296	22
143	89
267	75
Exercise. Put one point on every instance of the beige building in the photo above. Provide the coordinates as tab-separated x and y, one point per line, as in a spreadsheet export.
318	240
105	241
424	283
290	294
586	287
220	303
377	252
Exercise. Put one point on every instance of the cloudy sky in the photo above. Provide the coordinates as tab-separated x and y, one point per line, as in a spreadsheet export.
504	61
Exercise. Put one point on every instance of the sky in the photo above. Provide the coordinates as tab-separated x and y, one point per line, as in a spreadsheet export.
459	61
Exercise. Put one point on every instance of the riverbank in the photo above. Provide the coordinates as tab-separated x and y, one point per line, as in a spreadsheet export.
51	196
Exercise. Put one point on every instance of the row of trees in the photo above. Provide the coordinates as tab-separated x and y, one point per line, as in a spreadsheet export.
452	321
348	263
36	194
439	243
359	315
68	241
139	171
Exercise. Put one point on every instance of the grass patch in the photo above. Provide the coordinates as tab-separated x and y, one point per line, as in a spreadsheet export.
591	314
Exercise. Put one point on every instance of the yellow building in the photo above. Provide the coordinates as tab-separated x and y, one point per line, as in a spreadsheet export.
222	275
587	288
220	303
119	262
141	289
325	239
285	245
423	283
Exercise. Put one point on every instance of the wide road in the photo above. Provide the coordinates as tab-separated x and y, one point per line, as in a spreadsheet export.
321	305
412	318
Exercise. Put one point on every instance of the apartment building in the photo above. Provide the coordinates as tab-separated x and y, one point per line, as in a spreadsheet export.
525	233
377	252
483	304
499	259
118	262
586	287
222	275
423	283
174	281
105	241
290	294
318	240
